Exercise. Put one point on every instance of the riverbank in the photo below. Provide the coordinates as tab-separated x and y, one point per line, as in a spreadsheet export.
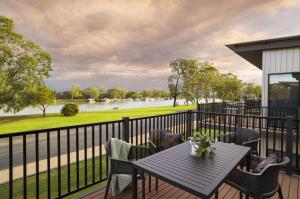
94	106
14	124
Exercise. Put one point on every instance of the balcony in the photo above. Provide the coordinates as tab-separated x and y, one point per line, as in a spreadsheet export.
60	162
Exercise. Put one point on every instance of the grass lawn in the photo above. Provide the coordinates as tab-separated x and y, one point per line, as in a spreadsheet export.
31	188
13	124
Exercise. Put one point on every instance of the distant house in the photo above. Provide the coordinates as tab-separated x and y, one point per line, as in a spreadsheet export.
279	60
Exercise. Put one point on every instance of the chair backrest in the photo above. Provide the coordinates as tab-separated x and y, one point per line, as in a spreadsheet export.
267	179
156	137
163	139
132	154
116	166
245	135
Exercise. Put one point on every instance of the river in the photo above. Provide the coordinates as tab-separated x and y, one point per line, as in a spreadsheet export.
97	106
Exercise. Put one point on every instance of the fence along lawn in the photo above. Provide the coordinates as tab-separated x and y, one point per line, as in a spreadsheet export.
26	123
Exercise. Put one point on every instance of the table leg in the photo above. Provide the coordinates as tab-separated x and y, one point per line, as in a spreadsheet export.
134	183
150	183
143	186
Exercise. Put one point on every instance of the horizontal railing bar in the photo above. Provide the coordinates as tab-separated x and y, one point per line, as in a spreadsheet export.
240	115
234	104
155	116
81	188
33	132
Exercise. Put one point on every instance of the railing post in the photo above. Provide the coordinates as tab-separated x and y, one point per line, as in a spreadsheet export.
289	143
237	121
189	123
198	106
197	116
125	131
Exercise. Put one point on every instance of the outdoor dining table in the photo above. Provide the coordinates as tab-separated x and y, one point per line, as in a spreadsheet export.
201	176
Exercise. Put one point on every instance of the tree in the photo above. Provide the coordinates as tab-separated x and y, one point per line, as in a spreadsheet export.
229	87
117	93
102	92
23	68
133	95
146	93
203	81
43	97
252	89
63	95
159	93
181	70
91	92
76	91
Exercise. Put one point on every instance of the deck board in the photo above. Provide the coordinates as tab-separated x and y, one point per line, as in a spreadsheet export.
290	187
293	191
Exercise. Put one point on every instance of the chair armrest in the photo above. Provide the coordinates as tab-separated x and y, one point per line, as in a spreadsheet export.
252	144
124	162
252	141
153	147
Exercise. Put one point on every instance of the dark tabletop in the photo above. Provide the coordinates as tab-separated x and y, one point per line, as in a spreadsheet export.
200	176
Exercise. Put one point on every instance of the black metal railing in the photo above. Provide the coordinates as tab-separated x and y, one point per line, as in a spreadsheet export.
61	159
58	162
274	131
248	109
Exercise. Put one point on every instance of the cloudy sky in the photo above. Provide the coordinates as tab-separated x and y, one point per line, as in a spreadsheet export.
130	43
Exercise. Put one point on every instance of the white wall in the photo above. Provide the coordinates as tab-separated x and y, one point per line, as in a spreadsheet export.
278	61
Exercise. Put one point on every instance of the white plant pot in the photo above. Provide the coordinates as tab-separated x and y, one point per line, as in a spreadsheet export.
195	149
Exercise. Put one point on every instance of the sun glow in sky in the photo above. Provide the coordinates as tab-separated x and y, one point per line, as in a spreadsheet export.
130	43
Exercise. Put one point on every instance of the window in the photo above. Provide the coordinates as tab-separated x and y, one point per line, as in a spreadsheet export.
284	90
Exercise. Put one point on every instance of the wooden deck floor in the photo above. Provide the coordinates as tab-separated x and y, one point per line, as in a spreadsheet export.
290	188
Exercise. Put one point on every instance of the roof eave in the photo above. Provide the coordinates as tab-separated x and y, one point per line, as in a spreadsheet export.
252	51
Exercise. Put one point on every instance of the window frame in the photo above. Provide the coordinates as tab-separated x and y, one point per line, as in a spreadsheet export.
285	73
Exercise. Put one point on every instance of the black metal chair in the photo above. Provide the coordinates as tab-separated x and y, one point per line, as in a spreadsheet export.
258	185
157	142
125	167
243	136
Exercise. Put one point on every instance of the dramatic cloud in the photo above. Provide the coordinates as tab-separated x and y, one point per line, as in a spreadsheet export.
130	43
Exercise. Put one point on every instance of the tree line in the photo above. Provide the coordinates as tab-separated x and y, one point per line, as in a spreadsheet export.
76	92
194	80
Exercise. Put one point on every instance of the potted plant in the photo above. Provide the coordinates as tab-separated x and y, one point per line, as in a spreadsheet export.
201	145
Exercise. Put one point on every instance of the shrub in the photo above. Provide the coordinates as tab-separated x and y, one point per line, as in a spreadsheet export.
69	110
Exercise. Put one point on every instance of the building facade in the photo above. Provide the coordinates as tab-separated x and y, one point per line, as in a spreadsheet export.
279	60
